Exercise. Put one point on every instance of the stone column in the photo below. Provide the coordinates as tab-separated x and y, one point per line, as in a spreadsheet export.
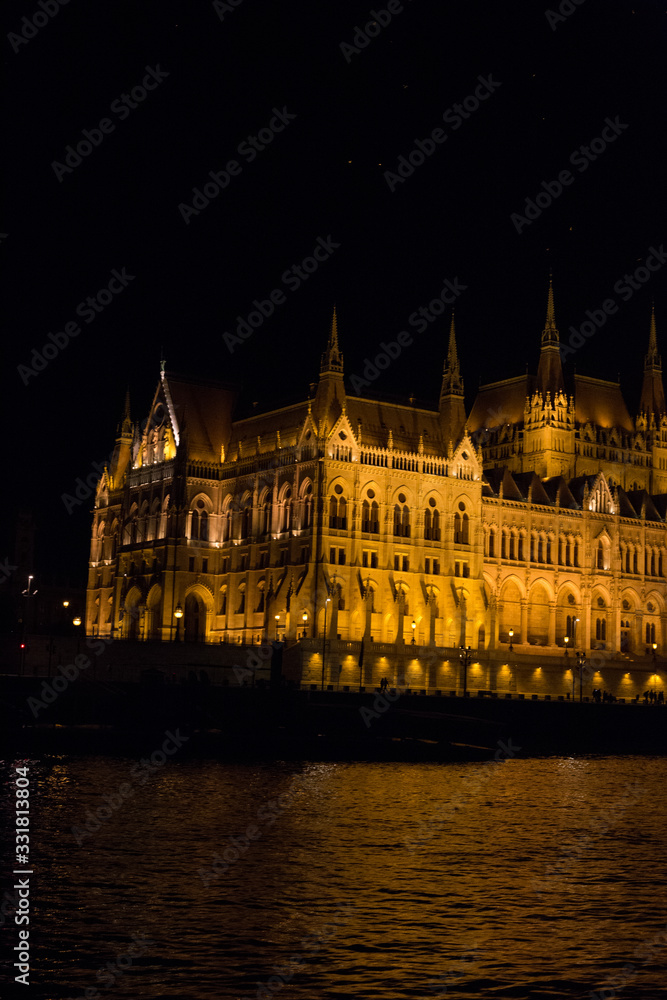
524	621
552	623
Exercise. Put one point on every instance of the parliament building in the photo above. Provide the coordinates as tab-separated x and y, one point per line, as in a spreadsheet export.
378	538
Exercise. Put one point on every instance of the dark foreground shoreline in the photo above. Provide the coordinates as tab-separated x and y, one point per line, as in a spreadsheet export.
247	723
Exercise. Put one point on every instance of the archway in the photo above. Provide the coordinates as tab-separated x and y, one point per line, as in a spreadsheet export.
194	618
154	613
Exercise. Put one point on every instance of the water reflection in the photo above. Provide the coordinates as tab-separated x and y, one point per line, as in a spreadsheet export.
522	878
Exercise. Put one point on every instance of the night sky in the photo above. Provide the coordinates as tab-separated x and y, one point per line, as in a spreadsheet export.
220	73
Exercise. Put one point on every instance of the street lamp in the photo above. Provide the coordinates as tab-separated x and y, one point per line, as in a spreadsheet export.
77	622
324	638
178	614
581	662
305	619
511	635
277	618
465	656
574	633
566	641
655	646
414	626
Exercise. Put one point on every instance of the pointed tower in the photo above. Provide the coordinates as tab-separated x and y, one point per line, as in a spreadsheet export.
550	369
330	394
122	452
652	402
548	434
452	405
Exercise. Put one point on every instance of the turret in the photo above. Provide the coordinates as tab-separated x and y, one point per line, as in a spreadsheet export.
550	379
122	452
452	405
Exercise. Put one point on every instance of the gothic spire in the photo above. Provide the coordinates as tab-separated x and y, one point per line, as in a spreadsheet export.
550	369
653	394
452	383
652	359
332	359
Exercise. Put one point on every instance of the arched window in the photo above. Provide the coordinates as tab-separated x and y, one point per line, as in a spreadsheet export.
431	524
307	507
650	633
338	512
492	543
365	516
260	601
401	521
265	514
199	522
286	511
246	521
223	602
601	629
461	527
241	607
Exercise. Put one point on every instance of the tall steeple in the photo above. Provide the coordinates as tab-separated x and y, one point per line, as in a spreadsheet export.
329	399
653	394
122	452
332	359
452	382
452	405
550	369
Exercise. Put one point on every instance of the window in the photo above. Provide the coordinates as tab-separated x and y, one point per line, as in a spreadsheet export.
341	557
199	522
600	629
401	520
650	633
191	564
241	607
282	558
263	559
332	556
304	554
427	565
204	565
364	557
260	603
461	527
243	562
461	569
338	512
397	562
286	511
223	603
436	567
431	522
224	565
265	516
370	517
492	543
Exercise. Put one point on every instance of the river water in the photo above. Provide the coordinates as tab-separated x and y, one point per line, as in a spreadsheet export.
512	878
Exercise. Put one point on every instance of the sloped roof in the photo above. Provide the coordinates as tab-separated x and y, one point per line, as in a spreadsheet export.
203	411
601	403
501	403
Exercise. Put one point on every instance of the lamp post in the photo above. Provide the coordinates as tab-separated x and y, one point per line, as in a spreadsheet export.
277	619
465	656
305	620
178	614
414	626
581	662
566	641
324	639
655	646
77	623
511	635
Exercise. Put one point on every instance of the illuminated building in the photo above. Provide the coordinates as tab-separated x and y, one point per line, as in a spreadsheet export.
537	519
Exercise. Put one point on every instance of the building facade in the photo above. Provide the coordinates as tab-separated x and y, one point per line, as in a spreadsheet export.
533	526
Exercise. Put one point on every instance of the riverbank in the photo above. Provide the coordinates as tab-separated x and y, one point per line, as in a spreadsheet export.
288	724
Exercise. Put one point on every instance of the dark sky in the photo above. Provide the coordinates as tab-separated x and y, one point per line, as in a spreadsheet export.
218	74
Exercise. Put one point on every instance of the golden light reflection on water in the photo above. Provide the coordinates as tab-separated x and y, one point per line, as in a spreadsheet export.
384	880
